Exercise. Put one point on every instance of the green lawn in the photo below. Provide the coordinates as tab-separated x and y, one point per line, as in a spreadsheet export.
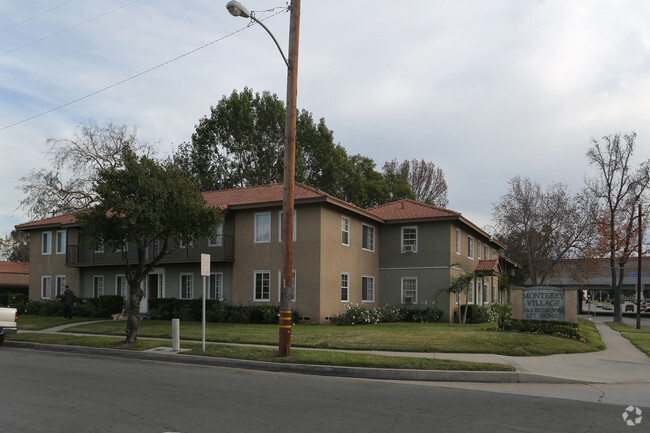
38	323
402	337
639	337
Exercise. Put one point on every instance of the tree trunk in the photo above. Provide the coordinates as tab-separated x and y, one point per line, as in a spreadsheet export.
133	321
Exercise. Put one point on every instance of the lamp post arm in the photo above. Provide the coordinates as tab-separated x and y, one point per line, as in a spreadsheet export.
273	37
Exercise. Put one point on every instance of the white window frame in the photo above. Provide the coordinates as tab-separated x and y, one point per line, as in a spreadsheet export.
494	254
46	243
345	287
459	241
470	247
403	298
414	246
60	241
295	225
218	289
494	292
100	247
187	287
370	291
345	231
98	286
486	252
125	288
265	295
257	237
480	247
46	287
217	240
366	229
59	284
293	285
471	293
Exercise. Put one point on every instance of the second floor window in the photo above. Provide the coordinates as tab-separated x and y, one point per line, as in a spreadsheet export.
345	231
262	230
470	247
60	242
217	241
409	239
46	241
458	241
295	226
368	242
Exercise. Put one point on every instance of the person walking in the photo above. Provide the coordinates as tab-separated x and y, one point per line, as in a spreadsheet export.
68	302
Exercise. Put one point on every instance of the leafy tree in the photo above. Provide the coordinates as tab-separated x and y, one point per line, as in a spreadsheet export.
15	247
144	204
618	188
68	185
459	285
542	228
397	177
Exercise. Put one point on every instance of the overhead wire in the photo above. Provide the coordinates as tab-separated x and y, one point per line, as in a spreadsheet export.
34	17
129	78
67	29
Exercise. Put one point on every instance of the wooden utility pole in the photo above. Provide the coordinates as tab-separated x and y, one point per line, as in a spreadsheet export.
639	270
284	343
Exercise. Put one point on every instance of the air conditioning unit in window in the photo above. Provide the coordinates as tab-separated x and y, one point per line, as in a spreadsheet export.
408	300
409	248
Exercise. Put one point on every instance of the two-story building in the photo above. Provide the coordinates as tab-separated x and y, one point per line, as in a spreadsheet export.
403	253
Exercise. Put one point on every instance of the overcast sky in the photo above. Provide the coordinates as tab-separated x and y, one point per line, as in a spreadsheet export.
487	90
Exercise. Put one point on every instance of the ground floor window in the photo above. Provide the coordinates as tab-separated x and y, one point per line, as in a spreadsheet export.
262	286
367	289
409	290
215	290
60	284
187	286
494	292
345	287
293	286
98	286
121	285
46	287
471	293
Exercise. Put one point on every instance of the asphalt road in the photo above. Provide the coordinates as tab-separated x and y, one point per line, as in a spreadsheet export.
52	392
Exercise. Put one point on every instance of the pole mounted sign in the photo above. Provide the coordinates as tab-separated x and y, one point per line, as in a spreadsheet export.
205	273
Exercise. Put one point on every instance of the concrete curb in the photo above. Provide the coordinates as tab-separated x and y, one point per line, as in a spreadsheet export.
323	370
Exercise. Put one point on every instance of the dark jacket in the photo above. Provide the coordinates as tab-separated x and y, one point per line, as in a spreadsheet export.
67	297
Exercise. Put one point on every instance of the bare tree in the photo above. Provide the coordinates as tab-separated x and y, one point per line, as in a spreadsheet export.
541	228
618	188
68	184
425	179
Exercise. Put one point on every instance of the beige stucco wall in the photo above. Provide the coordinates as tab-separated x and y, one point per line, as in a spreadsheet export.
50	264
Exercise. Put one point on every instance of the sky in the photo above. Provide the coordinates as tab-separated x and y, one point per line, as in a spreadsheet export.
486	90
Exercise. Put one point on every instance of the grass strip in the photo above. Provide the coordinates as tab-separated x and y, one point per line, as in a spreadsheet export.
400	337
639	337
313	357
39	323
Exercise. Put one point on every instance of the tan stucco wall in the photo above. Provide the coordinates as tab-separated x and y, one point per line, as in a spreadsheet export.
50	264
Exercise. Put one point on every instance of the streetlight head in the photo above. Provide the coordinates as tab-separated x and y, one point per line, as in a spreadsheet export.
236	9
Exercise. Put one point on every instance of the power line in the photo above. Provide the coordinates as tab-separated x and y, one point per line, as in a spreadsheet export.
34	17
131	77
66	29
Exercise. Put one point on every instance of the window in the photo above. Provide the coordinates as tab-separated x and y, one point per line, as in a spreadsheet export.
409	290
479	292
368	242
262	227
295	226
153	249
46	287
183	244
217	241
262	286
345	287
367	289
187	286
59	285
479	250
100	247
121	285
494	254
471	292
98	286
458	242
494	292
409	239
345	231
486	252
215	289
60	242
46	243
470	247
293	285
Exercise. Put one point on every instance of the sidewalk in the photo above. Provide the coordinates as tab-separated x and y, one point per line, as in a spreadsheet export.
620	363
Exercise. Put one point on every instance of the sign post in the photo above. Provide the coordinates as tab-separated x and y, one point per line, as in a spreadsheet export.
205	273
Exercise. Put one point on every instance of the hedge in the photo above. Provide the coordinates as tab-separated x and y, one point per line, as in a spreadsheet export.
550	327
103	306
358	315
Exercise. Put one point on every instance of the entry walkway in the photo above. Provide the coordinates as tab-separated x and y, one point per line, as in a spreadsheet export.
620	363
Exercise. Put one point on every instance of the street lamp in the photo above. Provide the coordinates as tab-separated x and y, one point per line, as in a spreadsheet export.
237	9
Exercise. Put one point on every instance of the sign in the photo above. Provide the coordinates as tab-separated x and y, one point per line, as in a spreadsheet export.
635	275
205	265
543	303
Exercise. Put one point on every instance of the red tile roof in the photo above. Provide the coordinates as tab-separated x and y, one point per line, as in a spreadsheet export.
14	268
55	221
487	265
263	194
403	210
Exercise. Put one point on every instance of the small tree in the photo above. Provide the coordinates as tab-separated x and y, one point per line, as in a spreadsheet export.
143	204
459	285
15	247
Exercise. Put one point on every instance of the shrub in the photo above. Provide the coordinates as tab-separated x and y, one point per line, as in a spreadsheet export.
359	315
563	329
500	312
475	314
110	304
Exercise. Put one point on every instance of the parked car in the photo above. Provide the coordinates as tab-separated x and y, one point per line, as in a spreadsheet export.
8	322
629	307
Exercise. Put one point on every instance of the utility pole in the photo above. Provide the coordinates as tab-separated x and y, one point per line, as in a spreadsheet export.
284	343
639	269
